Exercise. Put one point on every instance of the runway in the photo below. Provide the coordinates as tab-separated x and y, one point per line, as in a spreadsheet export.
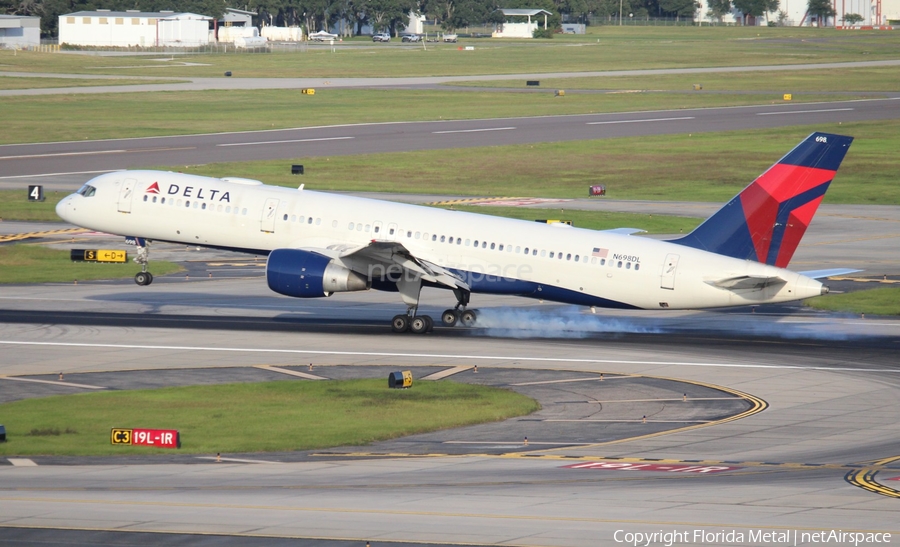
26	162
830	383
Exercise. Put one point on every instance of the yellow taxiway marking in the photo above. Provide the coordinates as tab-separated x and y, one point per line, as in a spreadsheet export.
29	235
865	478
290	372
470	201
680	400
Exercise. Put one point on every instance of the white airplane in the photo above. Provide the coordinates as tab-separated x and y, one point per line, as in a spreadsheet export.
320	243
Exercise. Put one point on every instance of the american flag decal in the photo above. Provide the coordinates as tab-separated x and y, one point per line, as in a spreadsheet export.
600	253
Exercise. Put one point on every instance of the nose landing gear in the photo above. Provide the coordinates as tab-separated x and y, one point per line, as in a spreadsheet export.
143	277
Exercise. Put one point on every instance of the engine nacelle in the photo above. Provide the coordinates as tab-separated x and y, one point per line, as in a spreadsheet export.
303	274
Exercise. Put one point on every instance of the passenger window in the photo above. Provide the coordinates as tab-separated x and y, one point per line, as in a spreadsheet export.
203	207
418	234
603	262
244	211
179	203
551	254
309	220
569	256
285	216
434	237
468	242
576	258
492	246
544	253
628	266
391	232
501	246
187	203
227	209
459	241
408	234
293	218
350	226
145	197
526	250
359	227
377	229
154	199
534	252
302	218
195	204
637	267
334	224
476	243
319	221
219	209
367	225
620	264
163	201
484	245
518	249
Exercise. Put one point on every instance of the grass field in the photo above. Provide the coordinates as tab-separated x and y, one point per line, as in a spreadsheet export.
37	264
700	167
881	301
270	416
606	48
73	117
14	205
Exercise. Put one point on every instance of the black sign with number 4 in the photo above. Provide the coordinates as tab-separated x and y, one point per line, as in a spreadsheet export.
35	193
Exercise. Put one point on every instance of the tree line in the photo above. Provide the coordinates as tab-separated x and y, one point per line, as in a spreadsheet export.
393	15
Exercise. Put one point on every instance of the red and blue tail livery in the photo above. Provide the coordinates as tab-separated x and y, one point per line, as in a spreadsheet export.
766	220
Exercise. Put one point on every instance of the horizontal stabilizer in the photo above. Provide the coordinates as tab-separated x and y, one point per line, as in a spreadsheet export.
752	282
834	272
624	231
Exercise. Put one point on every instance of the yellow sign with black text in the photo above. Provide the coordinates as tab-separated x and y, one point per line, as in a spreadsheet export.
120	436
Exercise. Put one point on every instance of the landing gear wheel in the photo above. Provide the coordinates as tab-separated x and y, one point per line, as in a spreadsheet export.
400	323
468	318
143	278
418	325
430	322
449	318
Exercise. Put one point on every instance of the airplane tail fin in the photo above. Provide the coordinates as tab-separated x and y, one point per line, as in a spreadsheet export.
767	219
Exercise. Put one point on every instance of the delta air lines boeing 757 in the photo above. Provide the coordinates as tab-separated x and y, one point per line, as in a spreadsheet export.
320	243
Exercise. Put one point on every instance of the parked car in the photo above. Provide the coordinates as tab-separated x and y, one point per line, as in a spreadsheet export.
381	37
450	38
411	38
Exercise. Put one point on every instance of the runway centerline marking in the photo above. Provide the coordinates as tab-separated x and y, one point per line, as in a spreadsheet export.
473	130
804	111
642	121
284	141
440	356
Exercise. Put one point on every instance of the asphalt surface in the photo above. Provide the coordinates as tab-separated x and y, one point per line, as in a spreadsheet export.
29	161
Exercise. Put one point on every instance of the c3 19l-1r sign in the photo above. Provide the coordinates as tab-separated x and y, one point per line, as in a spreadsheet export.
159	438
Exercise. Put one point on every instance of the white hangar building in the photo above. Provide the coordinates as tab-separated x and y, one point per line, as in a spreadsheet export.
104	28
19	31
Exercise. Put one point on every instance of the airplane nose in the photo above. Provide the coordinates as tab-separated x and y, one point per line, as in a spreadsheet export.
63	208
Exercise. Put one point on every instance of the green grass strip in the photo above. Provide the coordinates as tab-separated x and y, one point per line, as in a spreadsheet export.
255	417
881	301
38	264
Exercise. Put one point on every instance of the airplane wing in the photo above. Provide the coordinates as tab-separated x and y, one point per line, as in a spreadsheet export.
752	282
387	253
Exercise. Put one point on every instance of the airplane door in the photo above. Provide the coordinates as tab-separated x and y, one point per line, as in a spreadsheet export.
376	229
126	193
667	279
267	222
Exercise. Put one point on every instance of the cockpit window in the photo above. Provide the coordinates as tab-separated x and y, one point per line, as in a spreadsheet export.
87	191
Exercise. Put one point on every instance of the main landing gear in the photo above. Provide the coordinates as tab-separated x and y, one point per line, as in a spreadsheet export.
456	315
143	277
420	324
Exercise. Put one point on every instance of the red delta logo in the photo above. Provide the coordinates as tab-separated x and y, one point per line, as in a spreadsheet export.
153	189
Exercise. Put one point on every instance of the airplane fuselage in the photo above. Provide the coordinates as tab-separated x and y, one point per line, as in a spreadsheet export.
496	255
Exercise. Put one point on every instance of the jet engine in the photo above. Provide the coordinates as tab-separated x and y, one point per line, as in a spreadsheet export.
303	274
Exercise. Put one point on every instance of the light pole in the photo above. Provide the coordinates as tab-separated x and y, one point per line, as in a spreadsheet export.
620	13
